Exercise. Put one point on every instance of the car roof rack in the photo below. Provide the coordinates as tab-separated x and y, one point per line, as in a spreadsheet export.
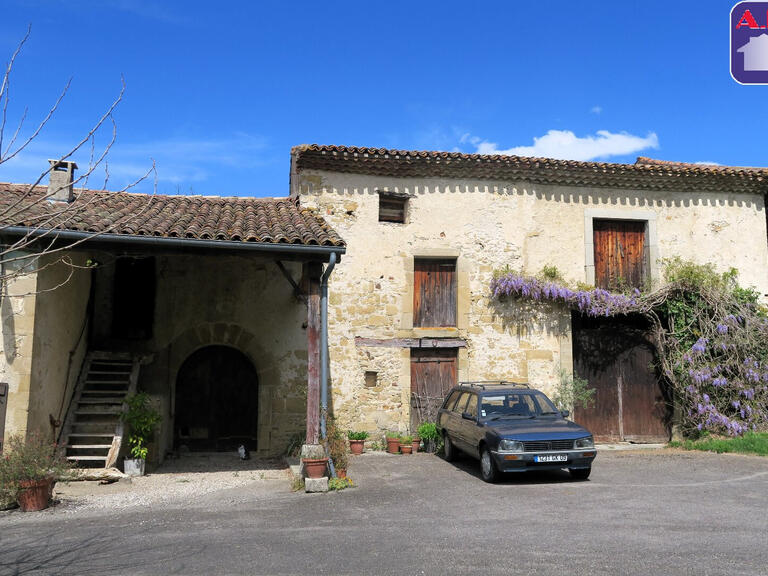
483	383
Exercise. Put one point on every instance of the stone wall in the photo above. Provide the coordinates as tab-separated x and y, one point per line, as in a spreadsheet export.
487	225
18	321
242	302
60	338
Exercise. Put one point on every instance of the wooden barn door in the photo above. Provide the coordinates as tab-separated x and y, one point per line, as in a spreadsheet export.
217	400
433	374
617	358
620	254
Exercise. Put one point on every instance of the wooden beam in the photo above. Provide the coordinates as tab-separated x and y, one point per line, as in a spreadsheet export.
312	272
412	342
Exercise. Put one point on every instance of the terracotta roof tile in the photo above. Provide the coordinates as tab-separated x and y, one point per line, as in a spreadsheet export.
266	220
646	174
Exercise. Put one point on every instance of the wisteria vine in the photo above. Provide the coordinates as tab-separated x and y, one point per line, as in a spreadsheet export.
711	339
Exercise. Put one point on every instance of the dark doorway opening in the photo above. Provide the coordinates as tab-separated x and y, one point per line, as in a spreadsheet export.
618	359
217	401
433	374
133	308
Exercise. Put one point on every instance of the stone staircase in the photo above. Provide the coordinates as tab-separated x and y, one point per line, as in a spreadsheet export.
93	429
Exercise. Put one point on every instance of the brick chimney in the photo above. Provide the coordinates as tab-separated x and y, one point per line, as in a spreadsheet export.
62	176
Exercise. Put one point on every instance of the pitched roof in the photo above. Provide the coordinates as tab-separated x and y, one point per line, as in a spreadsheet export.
653	175
256	220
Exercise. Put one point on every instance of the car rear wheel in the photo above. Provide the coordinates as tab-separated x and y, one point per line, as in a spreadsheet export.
449	449
488	466
580	473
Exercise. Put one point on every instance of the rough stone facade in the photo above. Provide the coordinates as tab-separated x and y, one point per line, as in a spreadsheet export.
43	342
200	300
241	302
487	225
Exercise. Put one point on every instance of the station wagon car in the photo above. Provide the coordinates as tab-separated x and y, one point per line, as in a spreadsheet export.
510	427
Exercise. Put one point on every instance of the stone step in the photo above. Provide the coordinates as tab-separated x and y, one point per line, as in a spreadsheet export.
88	446
113	392
90	435
103	400
110	372
86	458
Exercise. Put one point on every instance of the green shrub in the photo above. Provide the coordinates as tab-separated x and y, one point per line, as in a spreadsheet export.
337	443
572	391
29	460
428	431
142	419
357	435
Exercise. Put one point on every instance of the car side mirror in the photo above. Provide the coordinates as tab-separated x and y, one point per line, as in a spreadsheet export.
565	413
467	416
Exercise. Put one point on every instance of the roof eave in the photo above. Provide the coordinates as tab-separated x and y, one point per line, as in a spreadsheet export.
160	242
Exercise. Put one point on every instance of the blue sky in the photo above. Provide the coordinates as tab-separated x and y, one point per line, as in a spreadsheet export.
218	93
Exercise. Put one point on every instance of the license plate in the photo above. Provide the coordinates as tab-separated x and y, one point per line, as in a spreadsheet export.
551	458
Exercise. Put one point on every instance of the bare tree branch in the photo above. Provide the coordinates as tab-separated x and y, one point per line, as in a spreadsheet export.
32	207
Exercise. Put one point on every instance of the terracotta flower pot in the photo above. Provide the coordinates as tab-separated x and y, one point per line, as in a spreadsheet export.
356	446
35	494
393	445
416	444
315	467
406	448
341	472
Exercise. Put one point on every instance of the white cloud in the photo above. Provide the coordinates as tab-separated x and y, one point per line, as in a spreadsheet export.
596	109
565	145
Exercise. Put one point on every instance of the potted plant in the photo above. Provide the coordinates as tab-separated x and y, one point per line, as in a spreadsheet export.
429	433
406	444
357	441
416	443
393	442
28	471
142	419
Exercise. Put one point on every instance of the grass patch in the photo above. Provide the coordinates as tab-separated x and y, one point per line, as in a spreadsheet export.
750	443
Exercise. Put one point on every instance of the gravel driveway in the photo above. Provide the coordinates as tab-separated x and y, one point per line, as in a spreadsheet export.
662	512
177	482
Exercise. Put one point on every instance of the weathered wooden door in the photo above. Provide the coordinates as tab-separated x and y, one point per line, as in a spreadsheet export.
617	359
433	374
434	293
217	400
620	255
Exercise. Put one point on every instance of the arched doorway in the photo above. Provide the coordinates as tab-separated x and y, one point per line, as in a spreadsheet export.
217	400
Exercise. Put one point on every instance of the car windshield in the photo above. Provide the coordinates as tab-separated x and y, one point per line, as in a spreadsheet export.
516	405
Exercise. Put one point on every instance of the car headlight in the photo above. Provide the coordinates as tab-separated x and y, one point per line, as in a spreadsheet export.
587	442
510	446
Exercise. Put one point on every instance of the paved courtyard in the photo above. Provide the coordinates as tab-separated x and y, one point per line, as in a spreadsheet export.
656	512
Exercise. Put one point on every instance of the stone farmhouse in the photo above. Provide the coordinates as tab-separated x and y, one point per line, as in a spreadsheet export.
410	309
215	305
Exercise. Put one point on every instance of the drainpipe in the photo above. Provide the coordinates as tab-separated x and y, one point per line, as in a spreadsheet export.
324	342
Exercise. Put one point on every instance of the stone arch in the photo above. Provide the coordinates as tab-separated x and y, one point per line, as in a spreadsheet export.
233	336
216	400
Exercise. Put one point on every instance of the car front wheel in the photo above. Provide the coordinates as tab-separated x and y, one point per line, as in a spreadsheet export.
448	448
580	473
488	466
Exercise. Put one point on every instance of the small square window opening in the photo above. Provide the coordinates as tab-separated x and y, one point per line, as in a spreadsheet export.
392	208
